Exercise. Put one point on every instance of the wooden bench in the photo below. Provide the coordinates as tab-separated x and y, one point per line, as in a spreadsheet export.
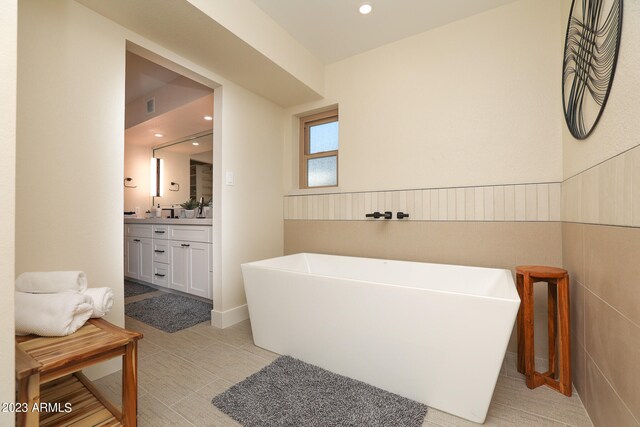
48	371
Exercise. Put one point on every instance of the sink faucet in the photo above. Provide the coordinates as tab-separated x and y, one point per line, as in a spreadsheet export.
171	211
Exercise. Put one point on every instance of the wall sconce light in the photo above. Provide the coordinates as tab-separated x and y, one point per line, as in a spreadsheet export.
129	179
157	177
174	184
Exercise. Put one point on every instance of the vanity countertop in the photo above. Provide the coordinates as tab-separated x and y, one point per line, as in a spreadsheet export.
176	221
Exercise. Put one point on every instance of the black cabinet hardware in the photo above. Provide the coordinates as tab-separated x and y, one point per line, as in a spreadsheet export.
158	252
159	275
402	215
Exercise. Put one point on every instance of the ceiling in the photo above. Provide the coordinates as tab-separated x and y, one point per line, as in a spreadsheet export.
184	29
144	76
176	124
333	29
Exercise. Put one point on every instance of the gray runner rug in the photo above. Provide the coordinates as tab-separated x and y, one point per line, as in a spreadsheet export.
169	312
292	393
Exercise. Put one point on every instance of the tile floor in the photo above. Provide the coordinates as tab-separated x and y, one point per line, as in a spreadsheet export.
180	373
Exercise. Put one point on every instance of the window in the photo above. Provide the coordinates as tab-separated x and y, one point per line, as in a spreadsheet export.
319	150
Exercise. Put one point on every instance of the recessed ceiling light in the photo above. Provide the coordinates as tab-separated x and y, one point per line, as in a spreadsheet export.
195	143
158	135
209	118
365	9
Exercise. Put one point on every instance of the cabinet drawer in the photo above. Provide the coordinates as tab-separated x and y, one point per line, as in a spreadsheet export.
160	274
160	231
190	233
161	251
137	230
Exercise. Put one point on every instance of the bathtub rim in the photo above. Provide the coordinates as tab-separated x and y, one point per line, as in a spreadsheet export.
512	289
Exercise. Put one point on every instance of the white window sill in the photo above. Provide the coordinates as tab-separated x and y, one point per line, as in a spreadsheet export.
311	191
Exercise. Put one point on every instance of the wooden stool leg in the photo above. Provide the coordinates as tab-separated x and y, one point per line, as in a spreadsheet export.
29	393
564	341
529	353
552	298
520	323
130	385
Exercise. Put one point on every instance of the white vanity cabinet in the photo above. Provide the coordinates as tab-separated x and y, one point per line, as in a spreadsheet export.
173	256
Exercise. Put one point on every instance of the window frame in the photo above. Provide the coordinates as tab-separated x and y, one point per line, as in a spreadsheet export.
306	122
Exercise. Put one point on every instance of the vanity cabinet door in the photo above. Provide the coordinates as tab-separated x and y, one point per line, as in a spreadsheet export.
132	251
146	260
179	261
139	258
199	260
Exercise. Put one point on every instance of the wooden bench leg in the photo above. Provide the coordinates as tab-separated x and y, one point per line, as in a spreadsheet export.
520	323
552	298
130	385
564	341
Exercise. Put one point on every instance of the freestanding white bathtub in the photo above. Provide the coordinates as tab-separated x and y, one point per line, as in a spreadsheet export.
433	333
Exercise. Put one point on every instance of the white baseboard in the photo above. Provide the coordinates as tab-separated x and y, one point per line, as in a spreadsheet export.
224	319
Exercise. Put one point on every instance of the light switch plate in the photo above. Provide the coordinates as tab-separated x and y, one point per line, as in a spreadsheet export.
229	178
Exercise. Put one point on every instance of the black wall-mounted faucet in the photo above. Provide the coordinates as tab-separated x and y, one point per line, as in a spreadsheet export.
376	215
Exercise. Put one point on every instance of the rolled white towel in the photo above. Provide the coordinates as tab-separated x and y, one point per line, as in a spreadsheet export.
51	315
51	282
102	300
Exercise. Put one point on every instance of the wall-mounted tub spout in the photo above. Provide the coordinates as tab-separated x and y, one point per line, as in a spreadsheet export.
376	215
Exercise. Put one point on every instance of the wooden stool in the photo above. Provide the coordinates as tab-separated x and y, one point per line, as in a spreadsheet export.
558	300
49	368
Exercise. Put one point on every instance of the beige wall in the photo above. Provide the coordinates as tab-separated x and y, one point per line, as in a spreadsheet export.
601	244
70	151
70	158
136	166
472	103
251	210
482	244
8	46
468	115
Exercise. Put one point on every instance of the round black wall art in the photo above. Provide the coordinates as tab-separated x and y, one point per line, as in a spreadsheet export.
590	56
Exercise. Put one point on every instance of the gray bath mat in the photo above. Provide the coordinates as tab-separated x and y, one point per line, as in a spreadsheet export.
169	312
131	289
290	392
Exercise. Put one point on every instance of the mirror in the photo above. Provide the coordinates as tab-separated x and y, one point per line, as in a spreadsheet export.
188	164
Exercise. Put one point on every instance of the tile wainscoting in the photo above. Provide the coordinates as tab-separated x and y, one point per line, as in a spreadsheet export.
601	250
521	202
606	194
